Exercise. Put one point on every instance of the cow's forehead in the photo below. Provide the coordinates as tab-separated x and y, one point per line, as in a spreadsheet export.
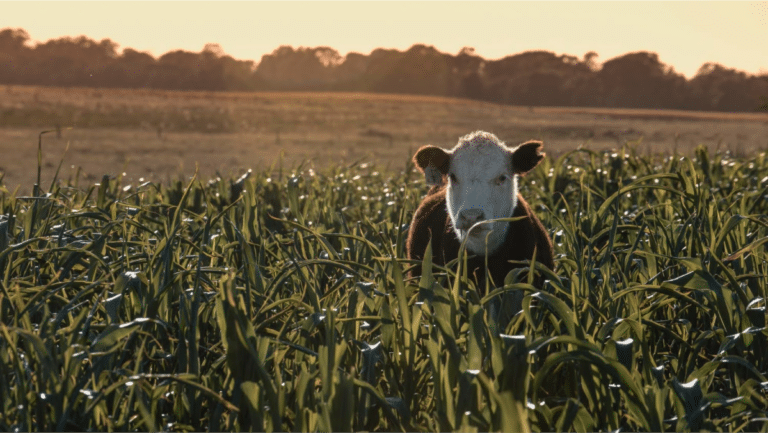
481	155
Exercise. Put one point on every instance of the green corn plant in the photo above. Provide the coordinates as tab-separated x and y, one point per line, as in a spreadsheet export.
280	300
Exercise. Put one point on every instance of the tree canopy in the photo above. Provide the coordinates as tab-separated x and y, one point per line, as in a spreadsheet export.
532	78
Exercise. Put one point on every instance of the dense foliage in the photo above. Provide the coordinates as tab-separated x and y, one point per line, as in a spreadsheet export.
534	78
278	301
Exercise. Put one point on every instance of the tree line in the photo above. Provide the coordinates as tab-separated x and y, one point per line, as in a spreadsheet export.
533	78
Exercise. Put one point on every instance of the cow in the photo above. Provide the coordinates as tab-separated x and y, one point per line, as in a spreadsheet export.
471	183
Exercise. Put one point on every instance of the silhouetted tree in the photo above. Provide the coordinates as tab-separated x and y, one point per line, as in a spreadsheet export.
132	69
467	69
531	78
14	53
640	80
591	62
350	72
422	70
299	69
719	88
379	64
535	78
73	61
764	99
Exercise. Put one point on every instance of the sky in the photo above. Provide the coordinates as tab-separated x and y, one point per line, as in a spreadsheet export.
685	34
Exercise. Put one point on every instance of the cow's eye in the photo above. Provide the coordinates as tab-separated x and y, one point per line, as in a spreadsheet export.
501	179
453	178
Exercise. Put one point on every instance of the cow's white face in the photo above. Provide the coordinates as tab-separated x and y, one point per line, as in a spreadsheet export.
481	175
481	186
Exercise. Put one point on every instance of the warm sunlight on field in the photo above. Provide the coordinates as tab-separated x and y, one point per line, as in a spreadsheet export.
157	135
223	216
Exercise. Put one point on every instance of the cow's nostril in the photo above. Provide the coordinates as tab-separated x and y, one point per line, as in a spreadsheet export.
467	218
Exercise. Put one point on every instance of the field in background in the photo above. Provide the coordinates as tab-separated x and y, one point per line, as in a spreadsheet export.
157	135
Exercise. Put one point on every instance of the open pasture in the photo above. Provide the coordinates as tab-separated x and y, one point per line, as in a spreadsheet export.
133	305
159	135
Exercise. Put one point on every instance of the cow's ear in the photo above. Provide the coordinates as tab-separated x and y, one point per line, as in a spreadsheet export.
434	162
527	156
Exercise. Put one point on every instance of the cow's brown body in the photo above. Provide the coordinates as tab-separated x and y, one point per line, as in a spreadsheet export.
431	222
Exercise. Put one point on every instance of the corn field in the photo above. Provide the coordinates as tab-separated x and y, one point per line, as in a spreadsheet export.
280	301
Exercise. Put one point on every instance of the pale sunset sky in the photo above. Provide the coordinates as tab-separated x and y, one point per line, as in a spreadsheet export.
685	34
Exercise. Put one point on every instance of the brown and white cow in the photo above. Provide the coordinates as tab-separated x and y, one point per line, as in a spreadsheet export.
471	183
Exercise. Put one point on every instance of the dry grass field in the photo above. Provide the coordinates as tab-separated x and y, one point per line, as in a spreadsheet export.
158	135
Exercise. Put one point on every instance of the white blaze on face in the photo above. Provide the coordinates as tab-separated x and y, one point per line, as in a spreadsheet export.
481	186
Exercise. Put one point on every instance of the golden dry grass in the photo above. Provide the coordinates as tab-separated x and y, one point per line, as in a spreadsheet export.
158	135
